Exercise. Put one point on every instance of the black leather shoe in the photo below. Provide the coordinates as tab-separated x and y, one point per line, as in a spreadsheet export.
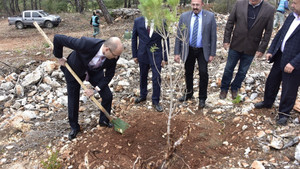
184	98
262	105
158	107
106	124
282	121
234	94
139	100
223	94
201	104
73	134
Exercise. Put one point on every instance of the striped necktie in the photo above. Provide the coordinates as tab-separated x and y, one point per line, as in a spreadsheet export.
195	32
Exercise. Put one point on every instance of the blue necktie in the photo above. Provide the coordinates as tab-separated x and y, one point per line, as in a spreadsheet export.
195	32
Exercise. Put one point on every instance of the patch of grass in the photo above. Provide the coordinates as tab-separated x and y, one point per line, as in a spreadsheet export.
237	100
52	162
46	45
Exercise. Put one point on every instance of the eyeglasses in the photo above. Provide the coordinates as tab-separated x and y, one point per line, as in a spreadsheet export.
112	53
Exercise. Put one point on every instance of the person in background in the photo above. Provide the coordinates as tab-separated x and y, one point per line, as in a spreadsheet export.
279	15
95	22
144	37
247	34
285	53
200	31
94	60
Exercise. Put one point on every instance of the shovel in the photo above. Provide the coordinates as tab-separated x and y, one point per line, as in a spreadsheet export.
119	125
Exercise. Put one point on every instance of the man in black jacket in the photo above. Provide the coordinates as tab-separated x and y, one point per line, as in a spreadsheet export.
88	60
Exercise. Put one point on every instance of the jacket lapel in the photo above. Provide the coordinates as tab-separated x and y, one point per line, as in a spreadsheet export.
260	14
188	26
204	20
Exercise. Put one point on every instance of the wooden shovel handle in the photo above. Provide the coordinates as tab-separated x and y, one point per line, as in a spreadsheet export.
73	73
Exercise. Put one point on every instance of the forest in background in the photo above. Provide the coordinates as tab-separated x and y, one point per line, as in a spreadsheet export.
15	7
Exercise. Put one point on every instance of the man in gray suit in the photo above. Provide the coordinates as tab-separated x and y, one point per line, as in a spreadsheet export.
196	40
247	34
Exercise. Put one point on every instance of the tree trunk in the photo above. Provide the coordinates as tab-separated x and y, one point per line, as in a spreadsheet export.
129	4
81	6
104	10
35	5
17	6
76	5
31	2
6	7
12	7
24	5
40	4
125	3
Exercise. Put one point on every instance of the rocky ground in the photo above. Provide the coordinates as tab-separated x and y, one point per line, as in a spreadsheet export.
34	125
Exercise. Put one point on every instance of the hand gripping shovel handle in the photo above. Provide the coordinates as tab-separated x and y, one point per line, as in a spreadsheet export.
73	73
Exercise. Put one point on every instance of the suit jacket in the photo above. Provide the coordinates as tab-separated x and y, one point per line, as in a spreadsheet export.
141	48
244	40
84	49
209	35
291	52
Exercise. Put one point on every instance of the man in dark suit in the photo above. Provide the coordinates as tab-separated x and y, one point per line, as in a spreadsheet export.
144	37
196	40
89	57
285	53
247	34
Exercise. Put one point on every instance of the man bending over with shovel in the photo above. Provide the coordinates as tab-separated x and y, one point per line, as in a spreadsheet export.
88	59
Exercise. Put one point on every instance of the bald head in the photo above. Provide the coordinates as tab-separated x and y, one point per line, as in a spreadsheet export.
114	46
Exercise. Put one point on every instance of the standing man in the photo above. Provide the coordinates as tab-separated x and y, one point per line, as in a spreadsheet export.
247	34
143	38
95	22
285	53
196	40
93	57
279	15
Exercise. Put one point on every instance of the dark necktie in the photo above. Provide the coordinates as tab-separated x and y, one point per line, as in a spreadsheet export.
148	29
195	32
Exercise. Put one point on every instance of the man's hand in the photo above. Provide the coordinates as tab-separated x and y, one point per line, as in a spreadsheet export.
89	92
62	61
211	58
136	60
258	54
288	68
177	58
226	46
268	56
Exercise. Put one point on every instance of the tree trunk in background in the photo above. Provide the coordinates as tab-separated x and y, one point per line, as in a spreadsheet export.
24	5
31	2
76	5
125	3
104	10
6	8
228	3
17	6
12	7
129	4
81	6
35	5
40	4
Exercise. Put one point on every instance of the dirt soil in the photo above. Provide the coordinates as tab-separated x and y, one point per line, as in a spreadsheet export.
144	143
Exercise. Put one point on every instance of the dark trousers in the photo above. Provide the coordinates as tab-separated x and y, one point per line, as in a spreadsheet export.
273	83
196	54
156	80
232	60
290	85
73	88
